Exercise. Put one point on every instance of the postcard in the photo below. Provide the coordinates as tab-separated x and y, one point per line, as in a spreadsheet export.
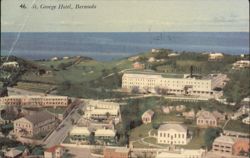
124	79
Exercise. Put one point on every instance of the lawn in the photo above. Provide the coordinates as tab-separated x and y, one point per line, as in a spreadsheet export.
57	110
140	132
37	87
171	117
197	141
238	126
151	140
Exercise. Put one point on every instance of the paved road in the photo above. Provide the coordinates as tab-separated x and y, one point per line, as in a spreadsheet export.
58	136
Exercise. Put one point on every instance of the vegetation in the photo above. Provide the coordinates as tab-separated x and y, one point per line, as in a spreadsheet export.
210	135
238	87
238	126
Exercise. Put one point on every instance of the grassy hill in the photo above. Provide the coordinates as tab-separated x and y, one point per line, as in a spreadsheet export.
88	78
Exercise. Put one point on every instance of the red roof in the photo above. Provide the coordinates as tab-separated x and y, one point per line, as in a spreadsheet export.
53	148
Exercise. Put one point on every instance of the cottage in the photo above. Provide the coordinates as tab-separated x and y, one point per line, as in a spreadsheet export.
166	109
147	116
215	56
206	119
79	134
241	64
246	120
173	55
189	115
180	108
151	59
12	64
138	65
13	153
133	58
54	152
105	135
219	116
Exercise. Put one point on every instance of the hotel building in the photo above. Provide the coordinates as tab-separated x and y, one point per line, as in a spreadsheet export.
149	82
33	100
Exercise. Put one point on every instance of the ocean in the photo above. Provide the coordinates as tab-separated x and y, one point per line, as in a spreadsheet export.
117	45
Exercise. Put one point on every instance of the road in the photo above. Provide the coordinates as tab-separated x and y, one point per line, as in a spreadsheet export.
58	136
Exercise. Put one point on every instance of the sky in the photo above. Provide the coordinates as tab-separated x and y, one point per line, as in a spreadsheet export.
127	16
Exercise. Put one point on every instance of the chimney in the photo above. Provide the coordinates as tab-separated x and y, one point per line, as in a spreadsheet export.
191	71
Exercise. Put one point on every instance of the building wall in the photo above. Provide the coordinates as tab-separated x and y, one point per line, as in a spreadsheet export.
172	137
146	118
222	147
33	129
48	155
201	122
35	100
111	153
199	87
23	124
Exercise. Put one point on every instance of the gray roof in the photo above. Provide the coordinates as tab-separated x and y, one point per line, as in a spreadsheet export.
225	139
38	117
176	127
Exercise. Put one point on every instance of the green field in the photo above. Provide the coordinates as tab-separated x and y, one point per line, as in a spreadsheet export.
37	87
140	132
238	126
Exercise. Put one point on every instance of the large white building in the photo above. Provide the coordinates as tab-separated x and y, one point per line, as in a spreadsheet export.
174	134
241	64
183	154
101	110
148	81
35	100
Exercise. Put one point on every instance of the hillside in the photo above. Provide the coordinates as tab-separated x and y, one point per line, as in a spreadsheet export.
88	78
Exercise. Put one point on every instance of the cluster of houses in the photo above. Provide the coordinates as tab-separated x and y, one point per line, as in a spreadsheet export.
244	110
33	123
97	123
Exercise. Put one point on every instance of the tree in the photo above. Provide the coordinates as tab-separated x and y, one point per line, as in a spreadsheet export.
135	89
92	138
210	135
66	85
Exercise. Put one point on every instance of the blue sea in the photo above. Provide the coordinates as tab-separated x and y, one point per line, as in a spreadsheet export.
109	46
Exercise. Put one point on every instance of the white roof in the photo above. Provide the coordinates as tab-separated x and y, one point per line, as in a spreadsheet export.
247	119
80	131
176	127
105	132
10	63
104	111
35	96
148	112
12	153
